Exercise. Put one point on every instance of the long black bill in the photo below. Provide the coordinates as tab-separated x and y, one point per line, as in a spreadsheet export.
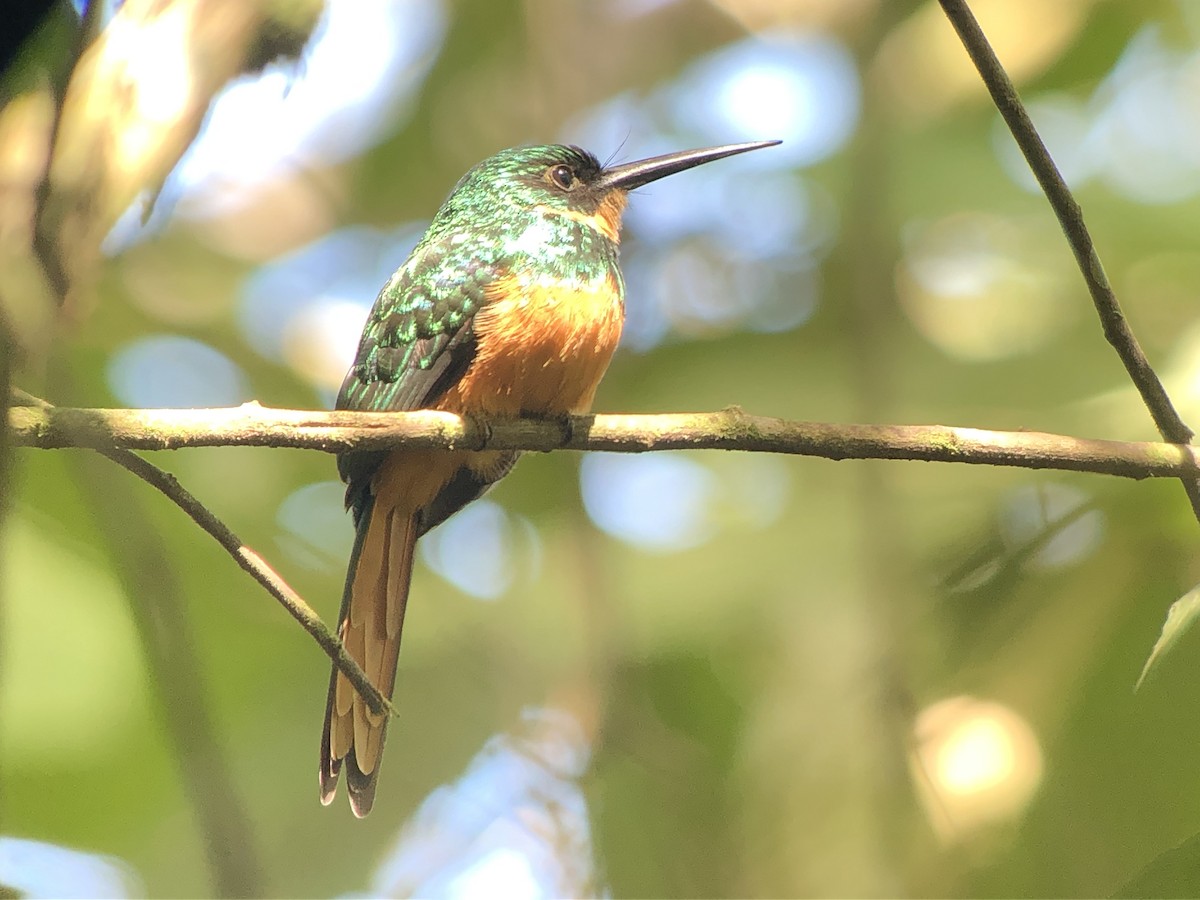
635	174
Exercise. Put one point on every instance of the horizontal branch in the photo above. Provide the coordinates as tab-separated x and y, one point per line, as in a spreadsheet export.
246	557
729	429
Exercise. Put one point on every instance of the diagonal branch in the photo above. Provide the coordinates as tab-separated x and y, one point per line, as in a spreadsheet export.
245	557
730	429
257	567
1116	329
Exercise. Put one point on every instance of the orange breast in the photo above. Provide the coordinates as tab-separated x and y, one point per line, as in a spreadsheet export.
543	347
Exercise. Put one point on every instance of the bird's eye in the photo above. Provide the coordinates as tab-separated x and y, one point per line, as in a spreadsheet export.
563	177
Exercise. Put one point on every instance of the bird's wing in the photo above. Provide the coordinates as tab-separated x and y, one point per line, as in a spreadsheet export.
418	341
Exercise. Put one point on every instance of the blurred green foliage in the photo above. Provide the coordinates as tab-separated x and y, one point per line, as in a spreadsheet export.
752	701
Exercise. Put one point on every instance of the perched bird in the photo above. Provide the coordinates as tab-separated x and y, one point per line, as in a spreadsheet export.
511	305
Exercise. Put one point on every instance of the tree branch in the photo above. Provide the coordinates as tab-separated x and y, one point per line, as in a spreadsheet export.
257	567
729	429
1116	329
245	557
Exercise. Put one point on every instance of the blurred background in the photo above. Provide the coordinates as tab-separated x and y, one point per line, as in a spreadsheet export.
677	674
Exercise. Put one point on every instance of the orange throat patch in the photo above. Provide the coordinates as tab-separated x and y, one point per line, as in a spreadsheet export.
543	347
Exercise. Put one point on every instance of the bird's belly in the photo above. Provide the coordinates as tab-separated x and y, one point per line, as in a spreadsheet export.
541	350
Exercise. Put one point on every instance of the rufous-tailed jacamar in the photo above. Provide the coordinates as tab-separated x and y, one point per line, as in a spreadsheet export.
511	305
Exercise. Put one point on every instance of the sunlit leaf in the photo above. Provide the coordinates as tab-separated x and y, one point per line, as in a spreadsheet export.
1180	617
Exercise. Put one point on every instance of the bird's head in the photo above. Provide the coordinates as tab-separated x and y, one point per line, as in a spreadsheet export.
565	181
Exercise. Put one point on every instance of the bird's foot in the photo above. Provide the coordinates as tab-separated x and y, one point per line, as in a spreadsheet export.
480	427
566	424
564	421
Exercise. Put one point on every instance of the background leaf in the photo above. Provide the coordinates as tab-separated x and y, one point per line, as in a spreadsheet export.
1180	617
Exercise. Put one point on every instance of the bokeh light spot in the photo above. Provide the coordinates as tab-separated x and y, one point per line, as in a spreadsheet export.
978	757
800	88
1139	130
657	501
317	529
37	869
1066	129
1182	375
502	546
982	288
975	763
172	371
321	338
308	308
367	60
1036	514
502	866
515	824
1147	122
671	502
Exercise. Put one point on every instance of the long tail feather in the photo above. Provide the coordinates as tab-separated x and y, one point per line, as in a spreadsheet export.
371	623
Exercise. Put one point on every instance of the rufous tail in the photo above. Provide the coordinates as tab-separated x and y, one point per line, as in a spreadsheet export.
372	619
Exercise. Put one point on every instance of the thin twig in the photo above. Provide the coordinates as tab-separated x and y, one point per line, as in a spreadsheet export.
257	567
245	557
1070	217
729	429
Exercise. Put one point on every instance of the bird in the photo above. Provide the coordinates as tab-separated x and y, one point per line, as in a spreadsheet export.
511	305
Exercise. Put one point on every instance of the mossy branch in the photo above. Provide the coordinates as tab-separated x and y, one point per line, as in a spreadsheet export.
729	429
